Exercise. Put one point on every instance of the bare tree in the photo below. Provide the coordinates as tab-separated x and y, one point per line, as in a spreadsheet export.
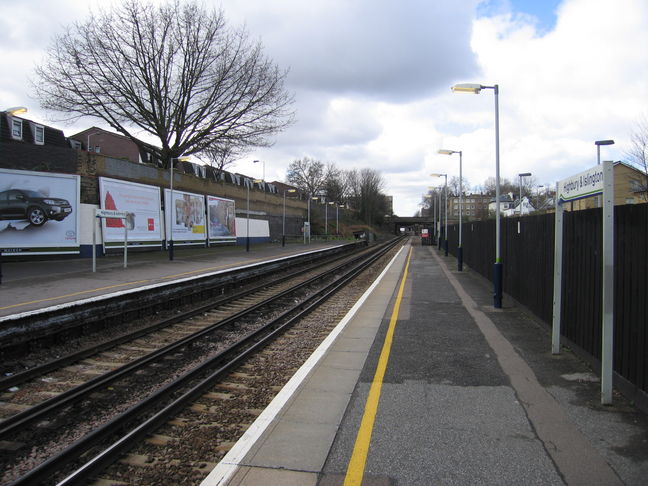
505	186
372	202
335	184
638	154
307	174
173	73
220	156
453	185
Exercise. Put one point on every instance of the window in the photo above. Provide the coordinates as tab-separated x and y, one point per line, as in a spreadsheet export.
39	134
16	129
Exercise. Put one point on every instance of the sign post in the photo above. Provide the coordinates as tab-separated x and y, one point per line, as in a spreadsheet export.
109	213
592	182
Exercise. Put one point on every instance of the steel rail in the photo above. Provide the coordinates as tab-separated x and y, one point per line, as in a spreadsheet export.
37	371
56	463
37	412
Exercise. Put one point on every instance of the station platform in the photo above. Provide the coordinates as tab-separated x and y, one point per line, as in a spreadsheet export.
425	383
37	284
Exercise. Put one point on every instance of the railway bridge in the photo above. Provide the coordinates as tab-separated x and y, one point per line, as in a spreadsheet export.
410	224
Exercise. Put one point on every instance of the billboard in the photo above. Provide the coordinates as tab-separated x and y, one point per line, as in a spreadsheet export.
141	202
187	216
221	217
39	212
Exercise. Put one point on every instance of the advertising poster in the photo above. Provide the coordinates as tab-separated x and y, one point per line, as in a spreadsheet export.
39	212
221	217
141	202
187	216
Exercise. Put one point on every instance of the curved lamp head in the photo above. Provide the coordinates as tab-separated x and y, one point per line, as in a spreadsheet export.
449	152
467	88
16	110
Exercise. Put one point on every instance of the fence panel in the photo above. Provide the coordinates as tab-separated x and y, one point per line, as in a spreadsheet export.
528	255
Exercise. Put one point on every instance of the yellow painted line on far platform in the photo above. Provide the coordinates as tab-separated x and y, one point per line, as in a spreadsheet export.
356	468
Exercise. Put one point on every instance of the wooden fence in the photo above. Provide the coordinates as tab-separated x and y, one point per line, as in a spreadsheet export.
528	255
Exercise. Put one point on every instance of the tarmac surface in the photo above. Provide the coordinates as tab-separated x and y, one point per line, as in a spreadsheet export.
425	383
422	383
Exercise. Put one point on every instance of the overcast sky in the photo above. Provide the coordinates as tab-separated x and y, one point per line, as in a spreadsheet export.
372	81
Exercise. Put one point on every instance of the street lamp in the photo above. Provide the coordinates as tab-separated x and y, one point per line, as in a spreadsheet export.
445	232
498	267
598	144
337	219
247	230
263	162
172	203
538	198
283	233
459	247
523	174
437	229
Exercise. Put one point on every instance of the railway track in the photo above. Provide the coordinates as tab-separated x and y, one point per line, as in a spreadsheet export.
145	391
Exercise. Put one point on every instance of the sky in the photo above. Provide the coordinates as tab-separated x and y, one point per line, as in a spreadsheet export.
371	81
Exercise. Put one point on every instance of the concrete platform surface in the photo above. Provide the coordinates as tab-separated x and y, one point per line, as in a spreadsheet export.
470	395
32	285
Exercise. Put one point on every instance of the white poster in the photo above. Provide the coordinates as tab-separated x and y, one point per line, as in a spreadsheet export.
39	212
142	202
187	215
221	216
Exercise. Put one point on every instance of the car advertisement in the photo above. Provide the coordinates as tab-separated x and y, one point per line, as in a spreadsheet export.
141	202
187	216
221	216
39	212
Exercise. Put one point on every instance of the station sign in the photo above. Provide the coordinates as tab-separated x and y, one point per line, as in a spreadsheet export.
584	184
110	213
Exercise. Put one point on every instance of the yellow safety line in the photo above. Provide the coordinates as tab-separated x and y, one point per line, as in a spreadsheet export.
355	470
75	293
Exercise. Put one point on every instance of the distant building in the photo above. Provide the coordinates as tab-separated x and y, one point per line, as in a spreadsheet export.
630	187
111	144
475	207
507	201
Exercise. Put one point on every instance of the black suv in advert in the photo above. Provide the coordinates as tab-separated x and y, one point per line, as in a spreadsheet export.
32	206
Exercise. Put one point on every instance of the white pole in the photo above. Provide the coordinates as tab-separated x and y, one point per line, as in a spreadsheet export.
460	196
608	285
94	244
125	242
557	281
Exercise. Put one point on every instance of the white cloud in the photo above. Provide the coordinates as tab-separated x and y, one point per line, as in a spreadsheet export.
372	78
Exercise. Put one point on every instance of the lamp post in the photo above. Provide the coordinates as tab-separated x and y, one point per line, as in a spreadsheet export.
523	174
445	232
172	202
283	232
337	220
263	162
459	246
598	144
325	219
331	203
14	110
247	230
498	266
